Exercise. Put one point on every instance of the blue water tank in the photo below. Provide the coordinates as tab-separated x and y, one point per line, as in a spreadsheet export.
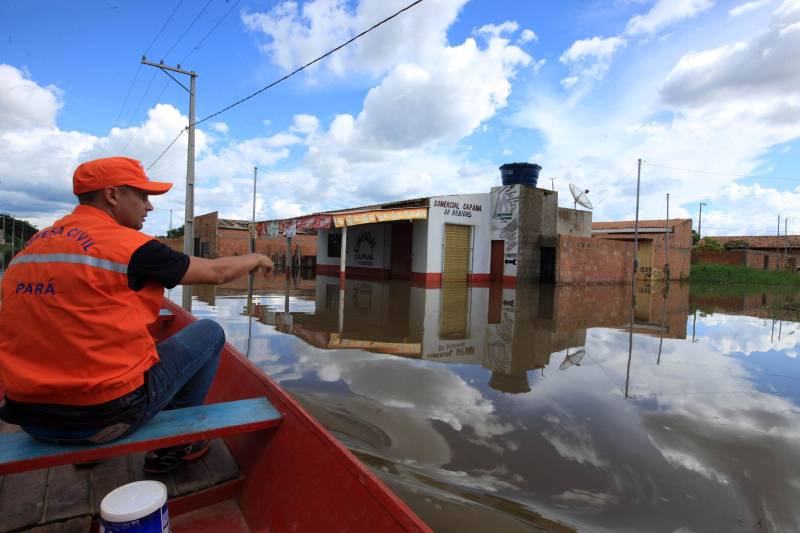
520	173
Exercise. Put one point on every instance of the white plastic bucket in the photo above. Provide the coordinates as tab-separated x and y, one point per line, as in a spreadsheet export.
139	507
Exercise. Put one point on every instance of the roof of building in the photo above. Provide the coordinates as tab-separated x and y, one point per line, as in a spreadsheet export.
630	224
762	241
411	202
229	223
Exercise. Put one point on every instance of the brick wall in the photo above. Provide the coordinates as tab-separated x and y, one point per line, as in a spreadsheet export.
609	306
587	260
205	229
727	257
236	242
753	258
175	244
680	250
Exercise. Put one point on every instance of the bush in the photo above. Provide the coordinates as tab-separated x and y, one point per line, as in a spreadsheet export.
708	244
737	244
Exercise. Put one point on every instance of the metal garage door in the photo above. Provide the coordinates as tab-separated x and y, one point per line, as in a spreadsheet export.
456	252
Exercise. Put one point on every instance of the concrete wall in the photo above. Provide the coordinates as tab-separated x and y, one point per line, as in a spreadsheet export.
368	250
465	209
505	203
588	260
537	228
466	350
419	246
574	222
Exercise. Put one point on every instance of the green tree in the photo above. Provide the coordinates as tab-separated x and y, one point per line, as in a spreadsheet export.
695	238
176	233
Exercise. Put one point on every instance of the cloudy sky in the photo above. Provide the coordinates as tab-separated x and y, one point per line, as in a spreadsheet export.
706	92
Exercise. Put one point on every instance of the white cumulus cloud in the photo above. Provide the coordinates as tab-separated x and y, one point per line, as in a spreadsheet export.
665	13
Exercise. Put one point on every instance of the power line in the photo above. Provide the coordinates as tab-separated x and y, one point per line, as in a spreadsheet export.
196	47
167	149
315	195
722	173
139	105
139	66
127	95
199	44
323	56
187	29
162	28
326	54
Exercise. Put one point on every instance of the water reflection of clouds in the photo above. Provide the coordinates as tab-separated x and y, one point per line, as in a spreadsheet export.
746	335
431	392
711	419
572	441
701	443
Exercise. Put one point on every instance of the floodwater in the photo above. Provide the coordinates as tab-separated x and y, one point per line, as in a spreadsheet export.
545	408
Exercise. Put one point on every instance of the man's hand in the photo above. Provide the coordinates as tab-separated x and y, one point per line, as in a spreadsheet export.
266	266
223	269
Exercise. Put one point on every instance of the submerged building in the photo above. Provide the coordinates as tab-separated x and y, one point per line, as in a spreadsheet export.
514	232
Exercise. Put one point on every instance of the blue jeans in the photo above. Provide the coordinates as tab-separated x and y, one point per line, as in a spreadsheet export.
189	361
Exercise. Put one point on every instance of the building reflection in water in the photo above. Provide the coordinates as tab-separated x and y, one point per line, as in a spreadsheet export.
509	331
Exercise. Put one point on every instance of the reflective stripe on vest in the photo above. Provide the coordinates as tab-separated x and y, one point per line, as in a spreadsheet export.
71	258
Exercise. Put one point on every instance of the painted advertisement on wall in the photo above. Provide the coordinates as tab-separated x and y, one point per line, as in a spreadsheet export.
455	208
505	224
364	248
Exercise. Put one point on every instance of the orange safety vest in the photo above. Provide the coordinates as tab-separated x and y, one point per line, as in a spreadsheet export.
71	330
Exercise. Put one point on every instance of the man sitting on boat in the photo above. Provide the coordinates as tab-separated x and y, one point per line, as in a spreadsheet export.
76	358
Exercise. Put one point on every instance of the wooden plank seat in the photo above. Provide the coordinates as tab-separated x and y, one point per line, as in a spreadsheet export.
19	452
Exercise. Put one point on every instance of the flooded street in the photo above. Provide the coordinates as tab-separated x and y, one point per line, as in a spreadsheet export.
545	408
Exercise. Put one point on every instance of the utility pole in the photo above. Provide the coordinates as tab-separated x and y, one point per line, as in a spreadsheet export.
251	276
188	224
666	264
255	175
552	184
778	244
700	222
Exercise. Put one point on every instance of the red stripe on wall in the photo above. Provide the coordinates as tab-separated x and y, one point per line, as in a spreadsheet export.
354	272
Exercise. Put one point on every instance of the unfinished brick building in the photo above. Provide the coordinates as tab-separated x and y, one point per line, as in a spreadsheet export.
219	237
653	244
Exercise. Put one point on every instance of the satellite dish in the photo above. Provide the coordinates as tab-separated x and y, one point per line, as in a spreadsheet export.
580	196
572	359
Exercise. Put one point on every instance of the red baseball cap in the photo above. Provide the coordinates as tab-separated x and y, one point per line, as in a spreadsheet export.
114	171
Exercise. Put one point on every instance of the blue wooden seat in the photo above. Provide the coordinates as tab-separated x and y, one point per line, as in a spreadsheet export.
20	452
